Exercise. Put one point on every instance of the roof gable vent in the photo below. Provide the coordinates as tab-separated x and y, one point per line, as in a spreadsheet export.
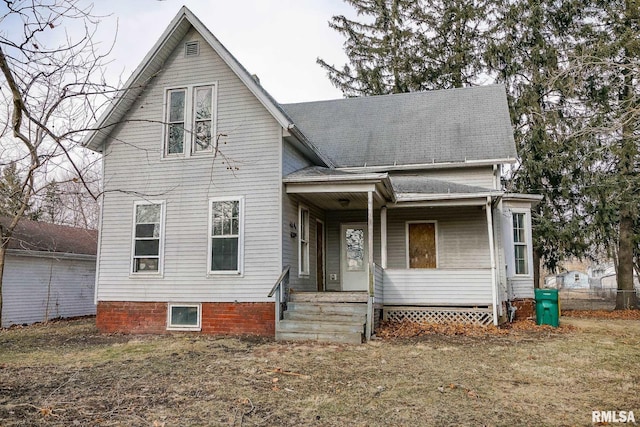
192	48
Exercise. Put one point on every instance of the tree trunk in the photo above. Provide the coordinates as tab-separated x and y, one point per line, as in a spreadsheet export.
626	298
536	268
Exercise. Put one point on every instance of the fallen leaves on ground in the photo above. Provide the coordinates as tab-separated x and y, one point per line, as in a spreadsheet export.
603	314
409	329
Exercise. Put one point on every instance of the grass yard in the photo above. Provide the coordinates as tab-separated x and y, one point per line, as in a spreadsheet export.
66	374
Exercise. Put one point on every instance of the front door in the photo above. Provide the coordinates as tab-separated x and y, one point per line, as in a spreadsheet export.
354	257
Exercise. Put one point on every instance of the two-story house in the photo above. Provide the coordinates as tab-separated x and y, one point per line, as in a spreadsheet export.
226	212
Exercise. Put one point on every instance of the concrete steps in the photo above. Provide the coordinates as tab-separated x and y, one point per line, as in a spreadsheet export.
326	316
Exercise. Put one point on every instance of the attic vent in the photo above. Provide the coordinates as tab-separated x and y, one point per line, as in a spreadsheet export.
192	48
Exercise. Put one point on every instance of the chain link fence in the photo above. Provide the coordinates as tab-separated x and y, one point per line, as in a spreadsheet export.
591	299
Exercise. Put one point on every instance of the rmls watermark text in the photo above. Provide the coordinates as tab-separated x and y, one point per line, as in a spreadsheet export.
612	417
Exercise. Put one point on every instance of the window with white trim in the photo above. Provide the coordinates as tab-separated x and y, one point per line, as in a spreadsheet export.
520	243
190	120
184	317
148	218
226	222
303	241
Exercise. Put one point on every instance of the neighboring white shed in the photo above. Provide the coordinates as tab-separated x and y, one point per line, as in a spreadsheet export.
49	273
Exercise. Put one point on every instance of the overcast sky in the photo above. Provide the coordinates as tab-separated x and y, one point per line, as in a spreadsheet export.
279	40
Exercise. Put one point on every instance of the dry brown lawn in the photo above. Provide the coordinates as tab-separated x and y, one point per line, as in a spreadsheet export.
66	374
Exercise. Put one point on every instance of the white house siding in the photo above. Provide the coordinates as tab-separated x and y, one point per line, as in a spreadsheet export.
36	289
134	171
462	240
437	287
292	161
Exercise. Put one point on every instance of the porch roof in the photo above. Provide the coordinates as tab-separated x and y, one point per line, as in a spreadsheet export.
335	185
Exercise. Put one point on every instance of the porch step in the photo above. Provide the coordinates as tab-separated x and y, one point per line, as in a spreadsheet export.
321	317
337	297
319	327
328	309
317	316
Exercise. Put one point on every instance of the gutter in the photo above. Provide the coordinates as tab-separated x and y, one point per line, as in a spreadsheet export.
54	255
417	197
431	166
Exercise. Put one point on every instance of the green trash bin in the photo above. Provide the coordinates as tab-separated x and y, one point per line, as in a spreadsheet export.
547	307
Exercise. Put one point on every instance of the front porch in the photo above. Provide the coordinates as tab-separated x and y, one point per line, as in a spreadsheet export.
431	259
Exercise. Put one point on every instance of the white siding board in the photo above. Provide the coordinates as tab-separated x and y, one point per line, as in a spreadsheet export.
293	160
134	170
29	283
437	287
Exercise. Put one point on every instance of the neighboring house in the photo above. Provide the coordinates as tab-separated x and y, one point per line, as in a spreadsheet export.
573	279
383	205
49	273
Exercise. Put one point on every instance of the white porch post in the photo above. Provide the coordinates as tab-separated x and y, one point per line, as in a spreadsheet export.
383	237
494	291
369	327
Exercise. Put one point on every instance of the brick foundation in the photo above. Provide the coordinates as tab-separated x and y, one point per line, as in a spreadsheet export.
526	308
218	318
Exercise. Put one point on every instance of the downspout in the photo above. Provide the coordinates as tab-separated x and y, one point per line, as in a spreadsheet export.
494	291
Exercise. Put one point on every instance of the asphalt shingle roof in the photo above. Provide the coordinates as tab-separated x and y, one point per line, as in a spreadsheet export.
45	237
423	185
411	128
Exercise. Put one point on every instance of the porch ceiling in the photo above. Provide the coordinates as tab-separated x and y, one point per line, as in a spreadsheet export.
341	200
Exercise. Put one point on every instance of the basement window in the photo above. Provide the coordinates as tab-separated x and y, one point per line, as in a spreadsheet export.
184	317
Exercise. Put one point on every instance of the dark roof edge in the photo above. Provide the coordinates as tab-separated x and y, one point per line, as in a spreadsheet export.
423	166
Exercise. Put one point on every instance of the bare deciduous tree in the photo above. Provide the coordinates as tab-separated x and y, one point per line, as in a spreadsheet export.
51	80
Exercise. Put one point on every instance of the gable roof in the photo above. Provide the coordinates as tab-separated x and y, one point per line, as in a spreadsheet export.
45	237
440	126
153	63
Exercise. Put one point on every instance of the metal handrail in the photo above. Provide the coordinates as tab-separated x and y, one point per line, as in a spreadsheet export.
281	299
285	271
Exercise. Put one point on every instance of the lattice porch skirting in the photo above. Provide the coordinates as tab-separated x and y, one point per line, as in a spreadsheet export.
467	315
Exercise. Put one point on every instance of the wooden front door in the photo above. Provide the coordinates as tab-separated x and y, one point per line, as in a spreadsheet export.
320	255
354	257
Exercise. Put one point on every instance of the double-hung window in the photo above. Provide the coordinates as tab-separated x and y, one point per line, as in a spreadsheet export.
303	241
520	243
147	237
226	224
190	120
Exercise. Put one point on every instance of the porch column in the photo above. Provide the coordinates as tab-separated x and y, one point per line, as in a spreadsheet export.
369	327
383	237
494	293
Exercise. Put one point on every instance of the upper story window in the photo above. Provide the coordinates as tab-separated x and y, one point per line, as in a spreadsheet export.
190	120
148	232
520	243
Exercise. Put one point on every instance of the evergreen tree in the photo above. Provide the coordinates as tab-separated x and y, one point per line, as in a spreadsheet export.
382	49
451	34
409	45
603	71
10	190
525	52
